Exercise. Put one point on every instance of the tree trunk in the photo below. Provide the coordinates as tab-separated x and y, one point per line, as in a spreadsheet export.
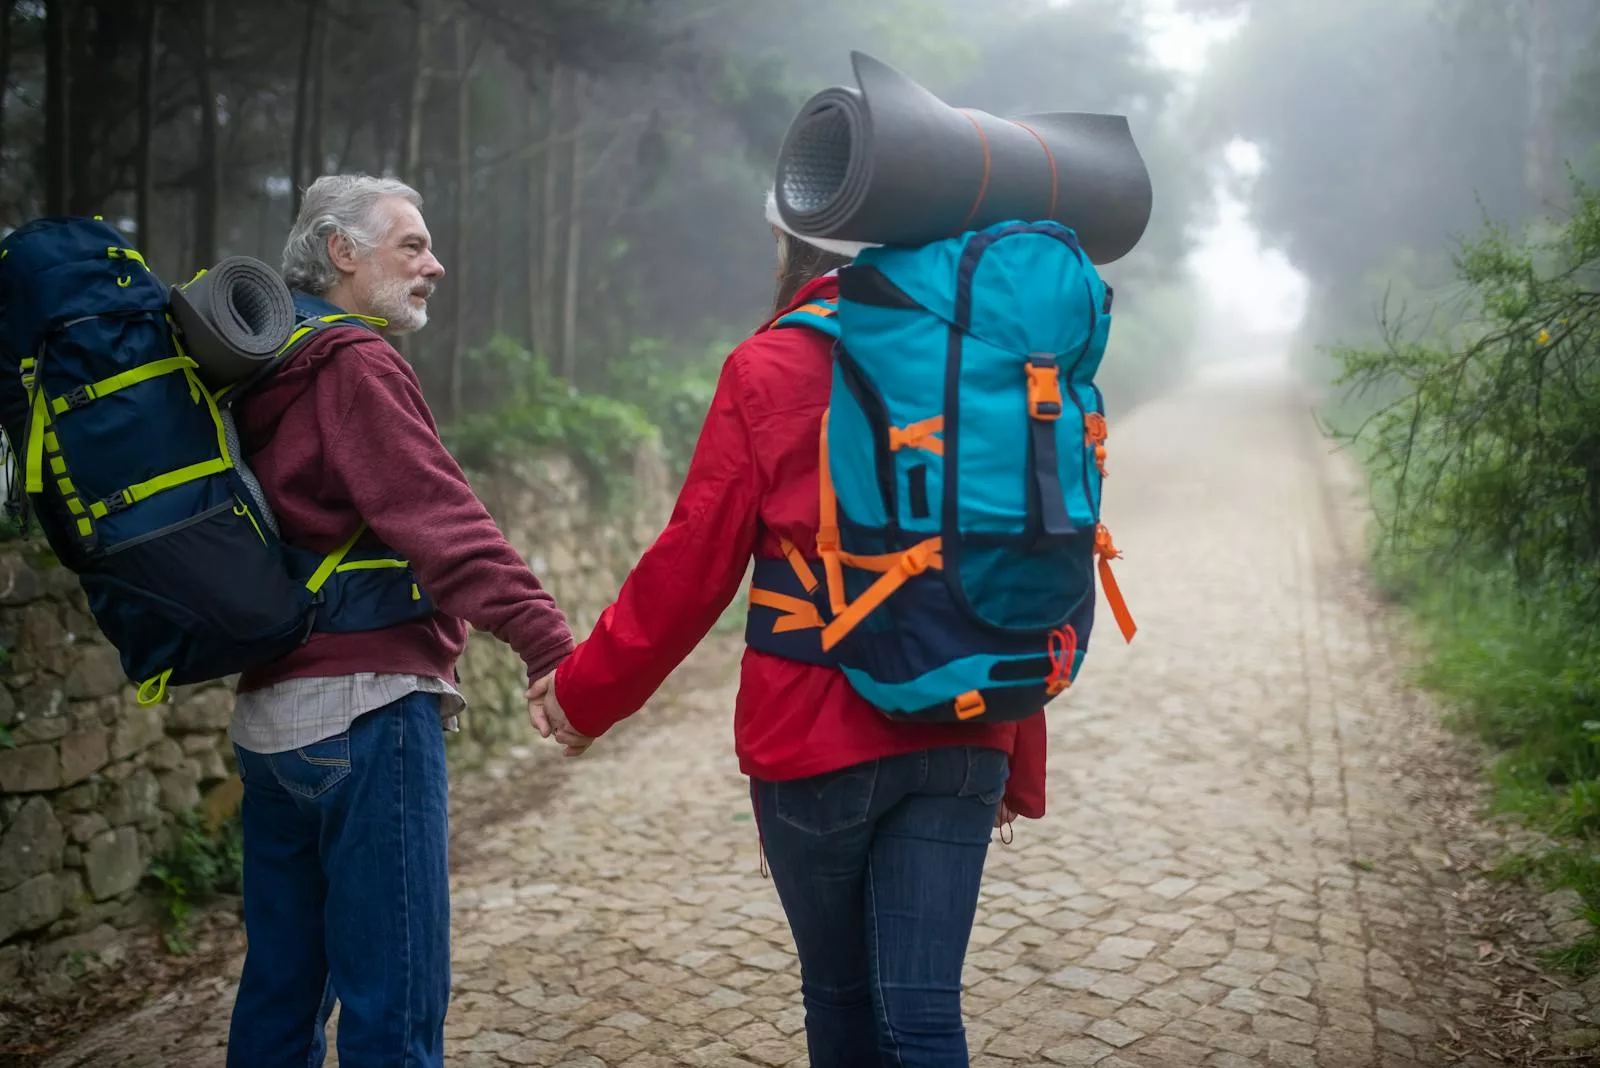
411	156
317	150
554	109
81	111
1543	151
458	323
5	70
502	188
144	196
538	126
569	318
302	106
351	129
208	178
56	170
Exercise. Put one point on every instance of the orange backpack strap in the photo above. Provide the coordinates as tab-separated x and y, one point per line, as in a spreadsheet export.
1105	552
828	527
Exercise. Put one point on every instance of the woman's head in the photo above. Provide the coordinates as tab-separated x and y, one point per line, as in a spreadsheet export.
799	263
803	259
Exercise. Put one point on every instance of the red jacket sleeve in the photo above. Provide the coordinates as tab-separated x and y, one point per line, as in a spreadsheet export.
681	585
387	458
1025	787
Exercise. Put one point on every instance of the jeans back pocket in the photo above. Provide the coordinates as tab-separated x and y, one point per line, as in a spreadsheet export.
828	803
987	772
313	769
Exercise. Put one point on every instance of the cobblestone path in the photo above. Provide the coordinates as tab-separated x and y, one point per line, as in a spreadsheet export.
1235	871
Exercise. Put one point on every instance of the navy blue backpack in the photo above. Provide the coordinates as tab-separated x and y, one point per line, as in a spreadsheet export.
132	470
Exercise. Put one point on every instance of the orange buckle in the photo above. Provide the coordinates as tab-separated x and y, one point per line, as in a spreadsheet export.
828	540
919	435
1044	391
970	705
918	558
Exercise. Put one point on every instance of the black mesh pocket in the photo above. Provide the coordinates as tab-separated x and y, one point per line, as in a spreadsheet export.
204	599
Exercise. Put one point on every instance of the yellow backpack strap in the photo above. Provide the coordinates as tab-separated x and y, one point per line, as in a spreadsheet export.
331	562
302	334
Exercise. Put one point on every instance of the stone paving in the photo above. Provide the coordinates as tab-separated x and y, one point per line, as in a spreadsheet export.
1237	868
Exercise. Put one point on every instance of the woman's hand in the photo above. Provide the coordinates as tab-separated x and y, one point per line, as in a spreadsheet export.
545	713
1003	817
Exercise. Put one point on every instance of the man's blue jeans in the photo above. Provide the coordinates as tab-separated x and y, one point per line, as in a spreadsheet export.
878	867
346	896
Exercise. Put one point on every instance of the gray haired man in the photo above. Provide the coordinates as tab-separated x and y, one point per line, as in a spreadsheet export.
346	882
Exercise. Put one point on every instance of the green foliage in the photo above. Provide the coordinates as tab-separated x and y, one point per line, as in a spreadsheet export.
1493	446
1485	456
194	869
1522	671
672	388
532	409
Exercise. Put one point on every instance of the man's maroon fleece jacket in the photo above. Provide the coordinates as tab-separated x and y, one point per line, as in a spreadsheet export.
341	434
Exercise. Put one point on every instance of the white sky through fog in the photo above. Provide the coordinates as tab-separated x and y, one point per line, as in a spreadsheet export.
1244	284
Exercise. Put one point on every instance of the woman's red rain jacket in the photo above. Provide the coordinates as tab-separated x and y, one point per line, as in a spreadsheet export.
751	483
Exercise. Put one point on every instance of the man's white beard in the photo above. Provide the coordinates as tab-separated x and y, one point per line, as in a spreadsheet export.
392	301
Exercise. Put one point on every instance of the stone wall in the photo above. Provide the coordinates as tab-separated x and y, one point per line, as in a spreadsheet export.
90	782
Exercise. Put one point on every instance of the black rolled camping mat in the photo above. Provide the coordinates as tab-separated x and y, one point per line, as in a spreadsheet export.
234	317
890	163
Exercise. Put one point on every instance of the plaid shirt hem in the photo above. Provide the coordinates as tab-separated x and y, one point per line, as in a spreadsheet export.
298	712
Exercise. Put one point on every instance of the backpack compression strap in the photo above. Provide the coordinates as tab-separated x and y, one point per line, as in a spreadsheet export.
893	569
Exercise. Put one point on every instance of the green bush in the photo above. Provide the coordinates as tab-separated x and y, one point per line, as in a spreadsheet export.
1492	444
673	389
523	406
1484	447
195	868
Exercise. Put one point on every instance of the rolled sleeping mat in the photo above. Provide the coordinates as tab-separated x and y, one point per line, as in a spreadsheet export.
234	317
889	163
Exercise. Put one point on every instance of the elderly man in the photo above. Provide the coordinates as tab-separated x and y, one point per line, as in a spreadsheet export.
340	746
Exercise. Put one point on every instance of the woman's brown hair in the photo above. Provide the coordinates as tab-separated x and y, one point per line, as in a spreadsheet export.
799	263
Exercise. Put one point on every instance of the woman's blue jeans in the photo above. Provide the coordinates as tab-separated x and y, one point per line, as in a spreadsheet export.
878	866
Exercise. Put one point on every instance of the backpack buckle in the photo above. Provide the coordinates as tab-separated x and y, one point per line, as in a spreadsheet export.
115	503
970	705
1044	387
921	556
77	398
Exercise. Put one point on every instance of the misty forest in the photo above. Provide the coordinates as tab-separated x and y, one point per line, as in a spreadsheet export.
593	175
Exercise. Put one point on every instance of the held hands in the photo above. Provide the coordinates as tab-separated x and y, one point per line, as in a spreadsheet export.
545	713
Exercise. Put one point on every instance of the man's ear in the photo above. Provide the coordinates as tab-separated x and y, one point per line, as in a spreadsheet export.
342	252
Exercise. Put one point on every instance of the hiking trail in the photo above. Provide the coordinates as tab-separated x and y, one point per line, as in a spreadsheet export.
1255	852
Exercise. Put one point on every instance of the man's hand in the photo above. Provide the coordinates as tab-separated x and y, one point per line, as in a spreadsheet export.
545	713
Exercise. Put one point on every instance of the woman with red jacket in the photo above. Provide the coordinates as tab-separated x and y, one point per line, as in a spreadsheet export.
876	830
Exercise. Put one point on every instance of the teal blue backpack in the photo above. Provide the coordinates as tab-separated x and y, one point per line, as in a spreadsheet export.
962	463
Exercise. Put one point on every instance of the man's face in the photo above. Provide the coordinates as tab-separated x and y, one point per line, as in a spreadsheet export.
397	278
